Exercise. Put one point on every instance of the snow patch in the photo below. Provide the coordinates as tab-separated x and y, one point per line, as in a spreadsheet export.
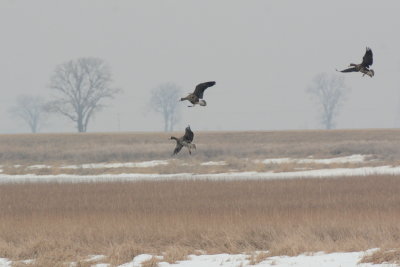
144	164
96	258
35	167
348	159
214	163
320	259
321	173
5	262
276	161
348	259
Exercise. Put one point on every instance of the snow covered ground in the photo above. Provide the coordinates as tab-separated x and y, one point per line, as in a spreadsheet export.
321	173
344	259
144	164
153	163
226	175
317	260
348	159
214	163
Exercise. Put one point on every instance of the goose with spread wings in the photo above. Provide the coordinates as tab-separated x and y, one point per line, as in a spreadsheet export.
364	65
197	96
184	141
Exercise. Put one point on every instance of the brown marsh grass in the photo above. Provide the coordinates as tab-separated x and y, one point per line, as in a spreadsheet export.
57	223
257	257
383	256
127	147
153	262
237	149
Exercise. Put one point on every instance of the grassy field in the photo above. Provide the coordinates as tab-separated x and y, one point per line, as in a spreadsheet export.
124	147
56	223
237	149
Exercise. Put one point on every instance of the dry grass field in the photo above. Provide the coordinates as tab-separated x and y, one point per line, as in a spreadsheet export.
57	223
237	149
125	147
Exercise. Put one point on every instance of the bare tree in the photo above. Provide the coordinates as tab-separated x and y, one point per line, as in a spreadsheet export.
31	110
165	100
330	92
81	86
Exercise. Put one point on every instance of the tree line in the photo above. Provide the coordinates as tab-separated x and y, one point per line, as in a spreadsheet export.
80	88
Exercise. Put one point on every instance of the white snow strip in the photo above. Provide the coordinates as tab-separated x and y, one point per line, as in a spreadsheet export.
348	159
214	163
276	161
35	167
5	262
147	164
322	173
348	259
144	164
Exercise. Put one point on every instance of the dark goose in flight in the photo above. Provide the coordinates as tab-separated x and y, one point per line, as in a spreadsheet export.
364	65
197	96
184	141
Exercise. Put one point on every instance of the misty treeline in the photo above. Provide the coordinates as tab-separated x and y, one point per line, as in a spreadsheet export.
80	88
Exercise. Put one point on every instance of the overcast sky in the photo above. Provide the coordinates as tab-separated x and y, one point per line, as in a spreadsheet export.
262	54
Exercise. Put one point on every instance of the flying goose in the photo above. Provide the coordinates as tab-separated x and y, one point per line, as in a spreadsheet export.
197	96
364	65
185	140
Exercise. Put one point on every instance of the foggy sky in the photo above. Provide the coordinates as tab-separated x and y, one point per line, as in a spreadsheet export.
262	54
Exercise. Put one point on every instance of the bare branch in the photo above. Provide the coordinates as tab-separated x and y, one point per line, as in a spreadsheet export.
81	85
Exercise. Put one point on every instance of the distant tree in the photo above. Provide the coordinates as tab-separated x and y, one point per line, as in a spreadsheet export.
330	92
81	86
31	110
165	100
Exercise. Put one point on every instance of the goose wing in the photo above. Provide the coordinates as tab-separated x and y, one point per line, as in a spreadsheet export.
177	148
352	69
201	87
367	58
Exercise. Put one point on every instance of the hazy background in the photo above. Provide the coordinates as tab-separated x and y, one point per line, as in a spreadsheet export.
262	54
